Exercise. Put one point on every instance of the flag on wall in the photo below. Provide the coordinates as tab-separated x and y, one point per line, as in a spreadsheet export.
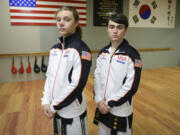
42	12
152	13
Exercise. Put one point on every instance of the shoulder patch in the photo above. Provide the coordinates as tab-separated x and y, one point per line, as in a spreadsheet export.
86	55
138	63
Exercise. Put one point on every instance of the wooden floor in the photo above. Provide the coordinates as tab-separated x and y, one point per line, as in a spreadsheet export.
156	106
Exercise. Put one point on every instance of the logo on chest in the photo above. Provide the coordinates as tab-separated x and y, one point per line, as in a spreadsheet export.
54	52
66	54
103	56
121	59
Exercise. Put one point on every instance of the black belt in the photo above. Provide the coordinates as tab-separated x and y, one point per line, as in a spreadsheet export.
115	123
65	122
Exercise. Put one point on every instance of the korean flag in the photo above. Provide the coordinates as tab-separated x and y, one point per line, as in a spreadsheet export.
152	13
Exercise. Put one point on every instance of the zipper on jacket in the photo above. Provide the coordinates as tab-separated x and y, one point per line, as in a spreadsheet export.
108	73
107	77
57	70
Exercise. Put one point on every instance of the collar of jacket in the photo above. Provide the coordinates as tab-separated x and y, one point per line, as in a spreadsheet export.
120	46
68	39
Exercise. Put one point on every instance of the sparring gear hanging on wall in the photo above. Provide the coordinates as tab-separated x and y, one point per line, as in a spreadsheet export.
43	66
36	67
13	68
28	69
21	69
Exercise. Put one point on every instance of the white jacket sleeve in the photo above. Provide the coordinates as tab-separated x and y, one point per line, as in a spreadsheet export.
47	95
97	83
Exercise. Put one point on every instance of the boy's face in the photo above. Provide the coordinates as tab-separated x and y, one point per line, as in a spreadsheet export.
116	31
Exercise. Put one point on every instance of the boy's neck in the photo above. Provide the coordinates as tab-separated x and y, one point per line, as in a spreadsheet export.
115	44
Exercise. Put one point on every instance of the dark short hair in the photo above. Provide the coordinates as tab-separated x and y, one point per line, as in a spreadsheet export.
120	19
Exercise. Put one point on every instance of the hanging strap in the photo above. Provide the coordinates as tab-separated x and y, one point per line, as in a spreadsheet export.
82	117
64	122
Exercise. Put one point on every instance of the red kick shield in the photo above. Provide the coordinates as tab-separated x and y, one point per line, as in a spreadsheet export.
21	69
13	68
28	69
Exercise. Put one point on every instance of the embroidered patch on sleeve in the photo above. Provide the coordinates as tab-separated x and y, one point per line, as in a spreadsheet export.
86	56
138	63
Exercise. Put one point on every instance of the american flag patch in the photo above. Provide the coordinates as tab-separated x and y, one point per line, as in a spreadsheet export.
86	55
138	63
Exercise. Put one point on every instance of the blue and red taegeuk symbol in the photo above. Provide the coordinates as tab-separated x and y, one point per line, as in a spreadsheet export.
145	12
